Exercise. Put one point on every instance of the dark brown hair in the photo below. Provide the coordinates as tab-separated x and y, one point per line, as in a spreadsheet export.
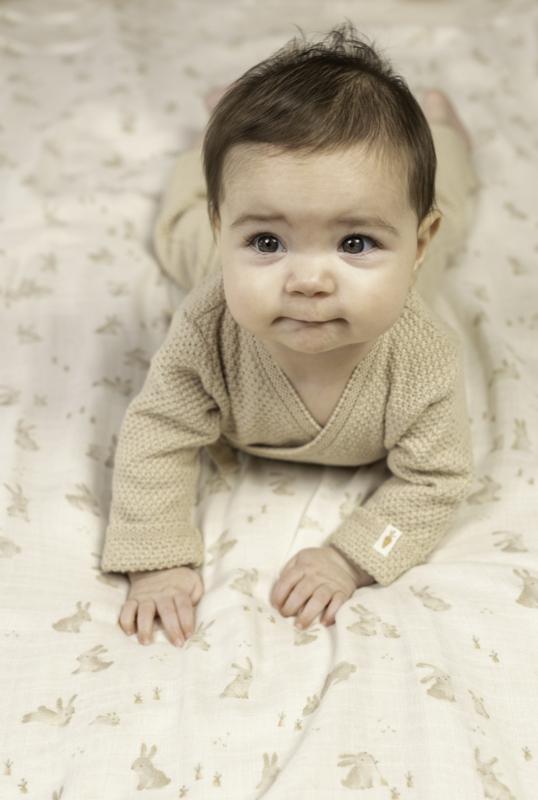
323	96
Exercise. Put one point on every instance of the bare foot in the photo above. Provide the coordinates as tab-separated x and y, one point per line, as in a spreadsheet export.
437	107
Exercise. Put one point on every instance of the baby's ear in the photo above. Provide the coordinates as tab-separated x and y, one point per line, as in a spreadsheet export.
426	231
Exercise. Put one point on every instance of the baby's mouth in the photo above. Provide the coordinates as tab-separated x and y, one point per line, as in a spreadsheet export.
307	322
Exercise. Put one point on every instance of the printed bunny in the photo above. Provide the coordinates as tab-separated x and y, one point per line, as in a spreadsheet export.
364	774
91	661
493	788
240	685
60	717
72	624
529	593
429	600
270	771
19	506
441	686
148	776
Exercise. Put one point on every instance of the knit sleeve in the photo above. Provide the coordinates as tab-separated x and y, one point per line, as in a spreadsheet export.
183	239
157	458
431	466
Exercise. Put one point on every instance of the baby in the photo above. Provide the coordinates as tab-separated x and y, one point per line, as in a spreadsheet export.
303	336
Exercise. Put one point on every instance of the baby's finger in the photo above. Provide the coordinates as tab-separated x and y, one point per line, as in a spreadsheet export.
146	612
321	597
127	617
197	590
285	585
338	600
169	618
297	599
185	612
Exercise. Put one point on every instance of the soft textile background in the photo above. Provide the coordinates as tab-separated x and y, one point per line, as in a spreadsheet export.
424	689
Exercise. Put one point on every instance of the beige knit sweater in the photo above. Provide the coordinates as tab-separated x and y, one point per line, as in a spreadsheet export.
212	380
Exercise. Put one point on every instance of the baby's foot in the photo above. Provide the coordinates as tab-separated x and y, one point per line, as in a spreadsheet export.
437	107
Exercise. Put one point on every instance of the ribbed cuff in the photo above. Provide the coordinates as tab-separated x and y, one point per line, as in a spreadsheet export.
125	552
376	546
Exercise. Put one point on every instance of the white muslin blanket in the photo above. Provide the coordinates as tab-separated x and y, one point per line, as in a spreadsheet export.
423	690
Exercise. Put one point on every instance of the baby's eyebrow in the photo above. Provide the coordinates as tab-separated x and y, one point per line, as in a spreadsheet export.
373	221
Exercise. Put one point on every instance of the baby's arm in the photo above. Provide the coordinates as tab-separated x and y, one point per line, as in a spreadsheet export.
431	462
157	463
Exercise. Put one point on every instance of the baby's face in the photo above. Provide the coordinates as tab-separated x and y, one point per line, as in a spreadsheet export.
327	238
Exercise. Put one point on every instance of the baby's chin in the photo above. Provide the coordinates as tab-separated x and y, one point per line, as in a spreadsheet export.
293	336
310	342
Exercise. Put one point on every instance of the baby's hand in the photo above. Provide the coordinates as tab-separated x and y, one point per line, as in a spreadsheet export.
173	593
316	578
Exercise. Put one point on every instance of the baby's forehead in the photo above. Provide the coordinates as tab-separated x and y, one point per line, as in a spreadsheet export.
245	156
256	173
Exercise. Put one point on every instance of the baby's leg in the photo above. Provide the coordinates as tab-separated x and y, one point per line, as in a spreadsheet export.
456	187
183	238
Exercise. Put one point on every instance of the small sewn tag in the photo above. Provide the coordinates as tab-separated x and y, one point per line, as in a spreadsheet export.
387	540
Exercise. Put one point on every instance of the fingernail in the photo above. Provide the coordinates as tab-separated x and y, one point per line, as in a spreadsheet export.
178	643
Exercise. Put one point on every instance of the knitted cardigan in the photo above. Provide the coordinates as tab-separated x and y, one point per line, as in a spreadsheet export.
213	381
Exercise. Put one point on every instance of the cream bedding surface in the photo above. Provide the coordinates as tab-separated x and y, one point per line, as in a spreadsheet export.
422	690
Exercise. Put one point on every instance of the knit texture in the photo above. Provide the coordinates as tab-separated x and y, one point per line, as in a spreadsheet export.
212	381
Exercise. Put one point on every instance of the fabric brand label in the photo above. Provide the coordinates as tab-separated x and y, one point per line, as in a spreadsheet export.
387	540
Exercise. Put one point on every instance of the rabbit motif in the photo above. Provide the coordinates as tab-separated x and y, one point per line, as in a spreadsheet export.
507	370
90	661
367	624
429	600
61	717
364	773
478	704
529	593
84	500
19	505
269	773
240	685
148	776
441	686
493	788
246	581
198	637
521	437
72	624
281	484
312	702
511	542
305	637
23	436
219	549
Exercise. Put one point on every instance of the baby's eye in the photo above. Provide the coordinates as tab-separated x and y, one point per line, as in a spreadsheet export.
266	239
268	243
358	243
